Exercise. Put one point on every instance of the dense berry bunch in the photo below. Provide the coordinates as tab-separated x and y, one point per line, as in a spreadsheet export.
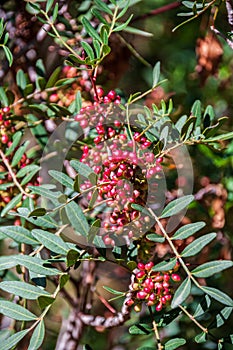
127	169
151	287
66	95
8	189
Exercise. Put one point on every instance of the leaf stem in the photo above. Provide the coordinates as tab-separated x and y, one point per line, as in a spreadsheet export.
205	330
11	172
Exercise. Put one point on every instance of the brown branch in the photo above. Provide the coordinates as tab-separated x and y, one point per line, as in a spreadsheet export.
158	11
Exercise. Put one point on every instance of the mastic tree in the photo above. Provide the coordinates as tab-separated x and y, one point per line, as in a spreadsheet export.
115	204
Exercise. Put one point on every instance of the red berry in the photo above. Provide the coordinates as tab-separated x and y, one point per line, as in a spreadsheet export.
159	307
175	277
149	265
112	95
129	302
100	92
141	266
5	138
140	274
141	295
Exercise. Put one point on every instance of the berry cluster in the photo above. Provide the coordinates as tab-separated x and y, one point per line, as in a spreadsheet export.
8	190
127	169
66	95
152	287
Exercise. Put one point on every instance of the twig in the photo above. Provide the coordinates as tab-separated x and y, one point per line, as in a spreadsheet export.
156	331
205	330
5	161
158	11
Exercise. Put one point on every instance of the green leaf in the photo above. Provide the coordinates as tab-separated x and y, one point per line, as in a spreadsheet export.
123	26
37	212
99	16
53	77
210	268
140	208
103	7
45	192
45	301
63	280
90	29
38	129
51	241
156	74
176	206
196	112
141	328
3	97
203	306
12	204
22	289
7	262
94	229
165	265
72	257
218	295
45	221
9	343
93	198
188	230
78	100
55	12
84	170
155	238
221	317
113	291
27	169
88	49
19	153
174	343
16	311
64	179
197	245
76	218
18	234
181	293
8	54
201	338
137	31
49	4
35	264
37	337
21	79
104	34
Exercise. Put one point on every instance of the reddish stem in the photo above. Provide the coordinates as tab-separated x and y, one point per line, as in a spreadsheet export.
155	12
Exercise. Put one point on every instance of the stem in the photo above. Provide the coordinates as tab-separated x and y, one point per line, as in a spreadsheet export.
174	248
156	331
130	131
145	93
156	12
205	330
77	196
17	184
69	48
28	97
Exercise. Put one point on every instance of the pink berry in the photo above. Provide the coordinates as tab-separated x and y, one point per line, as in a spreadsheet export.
5	138
100	92
141	295
141	266
149	265
140	274
112	95
175	277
